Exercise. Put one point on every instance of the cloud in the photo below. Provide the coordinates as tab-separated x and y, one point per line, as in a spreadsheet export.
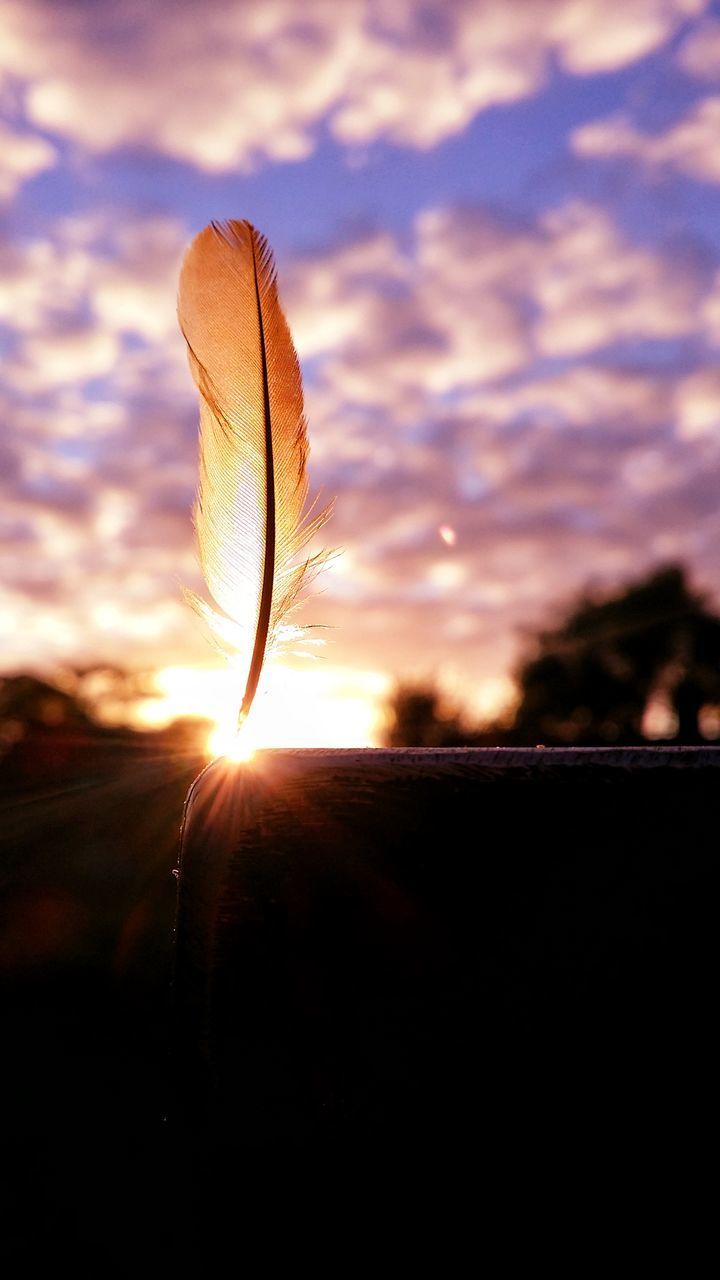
595	287
69	300
99	444
333	295
548	479
135	286
700	51
475	299
711	312
550	476
39	278
697	401
61	356
393	327
604	35
446	385
540	385
596	396
23	156
690	147
255	81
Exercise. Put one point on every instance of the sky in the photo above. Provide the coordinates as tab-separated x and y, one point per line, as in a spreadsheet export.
497	230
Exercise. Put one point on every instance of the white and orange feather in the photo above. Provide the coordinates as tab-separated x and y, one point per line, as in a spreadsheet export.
251	511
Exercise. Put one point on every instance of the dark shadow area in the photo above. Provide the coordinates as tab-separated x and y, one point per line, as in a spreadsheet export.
89	823
429	998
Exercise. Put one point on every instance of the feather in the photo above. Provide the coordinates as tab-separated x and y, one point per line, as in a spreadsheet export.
251	511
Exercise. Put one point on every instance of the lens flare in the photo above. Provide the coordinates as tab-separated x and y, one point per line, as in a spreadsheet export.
236	745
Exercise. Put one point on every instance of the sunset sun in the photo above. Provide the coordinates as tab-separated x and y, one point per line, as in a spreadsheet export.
306	707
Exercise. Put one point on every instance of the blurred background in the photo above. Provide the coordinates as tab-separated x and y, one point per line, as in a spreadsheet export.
498	237
498	242
497	229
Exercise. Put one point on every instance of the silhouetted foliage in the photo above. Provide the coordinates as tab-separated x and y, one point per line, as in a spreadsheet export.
26	700
51	732
419	716
76	697
591	679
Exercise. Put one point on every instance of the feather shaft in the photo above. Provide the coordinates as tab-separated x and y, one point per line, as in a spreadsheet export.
263	626
250	512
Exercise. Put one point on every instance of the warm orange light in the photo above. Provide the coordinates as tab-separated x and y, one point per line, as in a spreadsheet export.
233	744
312	706
448	534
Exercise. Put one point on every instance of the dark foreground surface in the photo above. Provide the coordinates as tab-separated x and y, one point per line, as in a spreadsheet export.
418	995
88	842
452	982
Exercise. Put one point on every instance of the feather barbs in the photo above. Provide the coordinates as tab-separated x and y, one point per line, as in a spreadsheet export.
250	513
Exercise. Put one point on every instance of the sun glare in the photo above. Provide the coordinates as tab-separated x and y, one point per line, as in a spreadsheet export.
317	706
233	744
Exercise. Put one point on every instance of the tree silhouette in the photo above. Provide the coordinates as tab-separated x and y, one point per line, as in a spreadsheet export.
591	679
418	716
27	700
84	709
73	695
